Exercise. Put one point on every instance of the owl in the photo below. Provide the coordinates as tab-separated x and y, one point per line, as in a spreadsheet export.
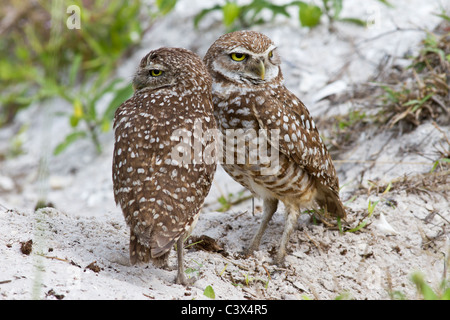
159	182
249	96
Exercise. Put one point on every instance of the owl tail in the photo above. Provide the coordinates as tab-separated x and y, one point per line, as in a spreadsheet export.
140	253
329	200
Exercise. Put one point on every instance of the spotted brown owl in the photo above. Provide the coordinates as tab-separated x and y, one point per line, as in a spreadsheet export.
160	191
249	96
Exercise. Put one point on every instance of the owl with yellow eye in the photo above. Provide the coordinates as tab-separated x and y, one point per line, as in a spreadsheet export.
249	95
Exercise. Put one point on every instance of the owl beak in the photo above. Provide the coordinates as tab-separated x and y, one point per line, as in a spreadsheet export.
261	70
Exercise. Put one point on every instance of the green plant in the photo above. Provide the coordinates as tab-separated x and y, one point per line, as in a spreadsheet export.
209	292
441	293
344	296
194	271
232	199
85	111
165	6
244	16
365	220
439	162
370	209
75	64
354	116
422	92
235	16
333	9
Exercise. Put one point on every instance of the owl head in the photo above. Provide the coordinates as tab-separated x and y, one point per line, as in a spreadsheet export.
170	67
244	57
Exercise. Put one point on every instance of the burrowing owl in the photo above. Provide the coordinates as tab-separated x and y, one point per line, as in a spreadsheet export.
249	94
161	195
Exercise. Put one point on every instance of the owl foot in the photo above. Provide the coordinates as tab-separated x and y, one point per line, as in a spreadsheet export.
183	280
279	262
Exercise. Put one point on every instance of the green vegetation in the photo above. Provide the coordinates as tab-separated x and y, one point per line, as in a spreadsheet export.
237	16
424	290
232	199
425	95
209	292
72	53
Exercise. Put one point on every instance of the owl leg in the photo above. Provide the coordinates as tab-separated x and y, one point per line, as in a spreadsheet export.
181	275
270	206
292	214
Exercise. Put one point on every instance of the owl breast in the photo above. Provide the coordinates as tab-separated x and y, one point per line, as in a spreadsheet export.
248	163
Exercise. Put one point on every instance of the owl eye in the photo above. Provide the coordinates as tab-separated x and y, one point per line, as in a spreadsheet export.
156	73
270	54
238	56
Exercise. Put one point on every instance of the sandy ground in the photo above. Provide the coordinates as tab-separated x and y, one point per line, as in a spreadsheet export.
79	248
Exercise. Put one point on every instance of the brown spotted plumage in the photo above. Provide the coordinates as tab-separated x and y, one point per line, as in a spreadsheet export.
249	94
160	195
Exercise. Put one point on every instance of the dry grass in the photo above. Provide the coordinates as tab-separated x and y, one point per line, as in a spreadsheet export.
424	92
398	99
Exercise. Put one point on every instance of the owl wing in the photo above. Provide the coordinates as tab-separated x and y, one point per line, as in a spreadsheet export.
300	141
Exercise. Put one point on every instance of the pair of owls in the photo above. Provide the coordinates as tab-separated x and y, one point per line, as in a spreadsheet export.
239	85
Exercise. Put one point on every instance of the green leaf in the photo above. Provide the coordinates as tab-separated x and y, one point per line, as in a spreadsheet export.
74	69
423	287
371	207
339	223
356	21
203	13
446	295
209	292
276	9
386	3
231	12
71	138
100	93
437	162
437	51
337	6
165	6
443	16
417	103
120	96
77	113
358	227
73	120
222	200
309	15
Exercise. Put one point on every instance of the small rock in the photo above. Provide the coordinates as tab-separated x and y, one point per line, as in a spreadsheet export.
94	267
26	247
